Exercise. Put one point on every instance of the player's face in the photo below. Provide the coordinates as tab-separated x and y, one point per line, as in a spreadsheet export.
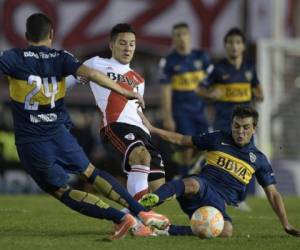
123	47
234	46
242	130
182	39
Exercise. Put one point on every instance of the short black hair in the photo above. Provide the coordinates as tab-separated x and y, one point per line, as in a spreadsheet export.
120	28
243	111
180	25
38	27
235	32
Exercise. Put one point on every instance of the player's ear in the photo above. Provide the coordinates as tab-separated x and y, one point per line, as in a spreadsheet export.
111	45
51	34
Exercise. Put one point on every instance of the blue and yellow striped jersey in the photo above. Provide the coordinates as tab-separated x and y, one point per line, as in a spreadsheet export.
235	86
185	73
229	168
37	89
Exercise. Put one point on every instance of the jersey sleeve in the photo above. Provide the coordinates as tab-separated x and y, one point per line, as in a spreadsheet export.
265	175
70	64
211	77
208	65
255	80
7	62
164	72
204	141
208	69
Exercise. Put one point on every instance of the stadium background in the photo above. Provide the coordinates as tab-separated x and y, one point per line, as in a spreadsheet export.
82	27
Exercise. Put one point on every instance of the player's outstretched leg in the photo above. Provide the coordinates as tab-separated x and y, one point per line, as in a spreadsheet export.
168	191
112	189
90	205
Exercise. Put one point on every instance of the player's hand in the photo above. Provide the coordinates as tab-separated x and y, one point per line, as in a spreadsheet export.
292	231
145	121
83	80
215	94
134	95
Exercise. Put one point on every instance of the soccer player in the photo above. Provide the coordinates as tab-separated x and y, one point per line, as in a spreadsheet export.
46	149
182	72
122	131
235	79
231	161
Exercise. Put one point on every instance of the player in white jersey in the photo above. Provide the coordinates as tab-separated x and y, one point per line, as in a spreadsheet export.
122	131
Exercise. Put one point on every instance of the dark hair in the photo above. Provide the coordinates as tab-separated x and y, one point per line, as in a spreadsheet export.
235	32
38	27
245	112
180	25
120	28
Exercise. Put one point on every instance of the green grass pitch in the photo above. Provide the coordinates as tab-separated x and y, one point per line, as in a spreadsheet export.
42	223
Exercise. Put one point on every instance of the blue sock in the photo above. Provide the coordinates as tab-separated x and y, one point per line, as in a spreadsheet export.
180	230
90	205
170	190
112	189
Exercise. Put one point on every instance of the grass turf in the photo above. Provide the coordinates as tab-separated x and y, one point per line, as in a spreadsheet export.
42	223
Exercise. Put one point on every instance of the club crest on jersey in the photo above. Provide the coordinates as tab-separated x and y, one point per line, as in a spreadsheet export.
252	157
198	64
129	137
177	67
248	75
224	77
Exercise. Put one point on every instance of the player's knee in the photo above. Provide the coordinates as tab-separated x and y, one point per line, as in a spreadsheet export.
227	230
139	156
191	186
88	172
59	193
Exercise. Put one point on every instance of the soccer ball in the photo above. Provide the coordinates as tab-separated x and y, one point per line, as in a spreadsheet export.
207	222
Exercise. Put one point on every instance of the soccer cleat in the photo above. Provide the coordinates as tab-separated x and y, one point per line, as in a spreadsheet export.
149	200
153	219
128	223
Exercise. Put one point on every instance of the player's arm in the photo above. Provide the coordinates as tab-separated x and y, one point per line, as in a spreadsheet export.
166	101
277	204
258	94
102	80
169	136
209	93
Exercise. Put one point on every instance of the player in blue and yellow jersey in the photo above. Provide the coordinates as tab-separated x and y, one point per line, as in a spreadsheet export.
182	71
45	146
235	79
231	162
236	83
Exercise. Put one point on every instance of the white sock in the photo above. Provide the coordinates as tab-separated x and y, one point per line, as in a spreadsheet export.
137	181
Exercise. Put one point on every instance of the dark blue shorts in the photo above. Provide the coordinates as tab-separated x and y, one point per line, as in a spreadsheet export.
188	124
49	162
207	196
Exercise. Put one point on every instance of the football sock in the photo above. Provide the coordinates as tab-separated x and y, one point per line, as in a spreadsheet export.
137	181
180	230
170	190
106	184
90	205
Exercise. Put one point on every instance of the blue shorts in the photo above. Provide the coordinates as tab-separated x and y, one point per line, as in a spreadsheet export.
49	162
207	196
188	124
